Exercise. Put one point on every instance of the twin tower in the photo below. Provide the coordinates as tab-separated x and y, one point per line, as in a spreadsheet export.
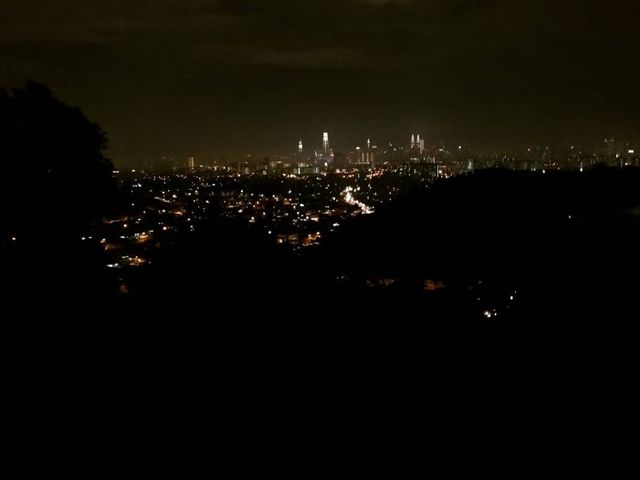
326	149
417	143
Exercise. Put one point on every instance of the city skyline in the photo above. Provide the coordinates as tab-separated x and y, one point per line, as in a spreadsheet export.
221	78
319	149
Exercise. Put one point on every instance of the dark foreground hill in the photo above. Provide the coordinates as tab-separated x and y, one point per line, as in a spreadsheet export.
565	242
388	307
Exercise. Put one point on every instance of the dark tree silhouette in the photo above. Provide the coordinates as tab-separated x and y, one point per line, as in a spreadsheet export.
54	182
55	178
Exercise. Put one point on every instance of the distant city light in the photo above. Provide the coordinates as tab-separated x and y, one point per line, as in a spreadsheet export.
307	199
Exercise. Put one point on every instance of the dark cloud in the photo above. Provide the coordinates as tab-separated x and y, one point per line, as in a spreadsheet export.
228	76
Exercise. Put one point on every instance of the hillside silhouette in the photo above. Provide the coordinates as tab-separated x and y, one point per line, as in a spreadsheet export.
544	234
563	246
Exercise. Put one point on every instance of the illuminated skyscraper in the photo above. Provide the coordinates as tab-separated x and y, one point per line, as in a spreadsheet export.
300	148
325	144
191	162
610	143
417	144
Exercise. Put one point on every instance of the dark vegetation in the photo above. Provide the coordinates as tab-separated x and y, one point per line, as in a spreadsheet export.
55	182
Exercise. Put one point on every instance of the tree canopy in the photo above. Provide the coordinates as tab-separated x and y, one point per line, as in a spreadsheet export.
55	177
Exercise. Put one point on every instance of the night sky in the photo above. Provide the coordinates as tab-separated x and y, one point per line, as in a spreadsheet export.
228	77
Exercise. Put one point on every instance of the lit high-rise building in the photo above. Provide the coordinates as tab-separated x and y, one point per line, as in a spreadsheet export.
191	162
300	148
325	144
